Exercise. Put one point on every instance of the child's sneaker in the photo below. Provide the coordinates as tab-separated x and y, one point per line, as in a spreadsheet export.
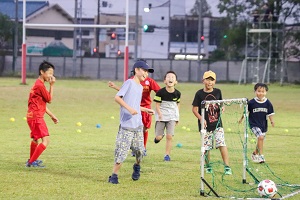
227	170
145	153
255	158
157	141
37	161
208	169
34	164
261	159
167	158
136	172
113	179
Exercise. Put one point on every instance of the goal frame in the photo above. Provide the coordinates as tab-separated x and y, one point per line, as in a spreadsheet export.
204	104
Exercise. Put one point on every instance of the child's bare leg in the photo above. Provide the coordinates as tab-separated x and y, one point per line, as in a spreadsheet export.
207	157
259	148
116	168
224	154
168	144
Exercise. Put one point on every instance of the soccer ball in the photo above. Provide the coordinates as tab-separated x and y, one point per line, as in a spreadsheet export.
267	188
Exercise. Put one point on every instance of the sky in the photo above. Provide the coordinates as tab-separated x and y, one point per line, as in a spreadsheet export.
90	6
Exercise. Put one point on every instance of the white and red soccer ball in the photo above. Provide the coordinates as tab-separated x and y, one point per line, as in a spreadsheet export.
267	188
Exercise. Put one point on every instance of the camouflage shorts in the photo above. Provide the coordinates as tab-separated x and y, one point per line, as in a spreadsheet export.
128	139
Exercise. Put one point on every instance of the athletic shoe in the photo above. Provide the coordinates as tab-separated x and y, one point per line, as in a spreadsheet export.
227	170
157	141
113	179
136	172
145	153
255	158
34	164
261	159
38	161
167	158
208	169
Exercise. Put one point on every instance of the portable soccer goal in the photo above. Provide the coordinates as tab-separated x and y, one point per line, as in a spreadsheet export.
240	141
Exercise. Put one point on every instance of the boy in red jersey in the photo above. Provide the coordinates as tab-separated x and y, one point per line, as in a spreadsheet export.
38	98
148	85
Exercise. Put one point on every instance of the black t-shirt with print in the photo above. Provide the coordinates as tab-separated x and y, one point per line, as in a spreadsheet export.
212	114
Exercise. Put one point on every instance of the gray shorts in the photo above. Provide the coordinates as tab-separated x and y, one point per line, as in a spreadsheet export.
128	139
161	126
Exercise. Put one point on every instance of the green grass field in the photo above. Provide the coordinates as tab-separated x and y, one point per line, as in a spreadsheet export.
78	164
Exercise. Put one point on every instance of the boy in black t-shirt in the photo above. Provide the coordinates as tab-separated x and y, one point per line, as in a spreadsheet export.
212	124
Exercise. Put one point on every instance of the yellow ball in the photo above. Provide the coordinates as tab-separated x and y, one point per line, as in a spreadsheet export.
24	118
112	117
183	127
78	124
188	129
12	119
228	129
286	130
78	131
252	140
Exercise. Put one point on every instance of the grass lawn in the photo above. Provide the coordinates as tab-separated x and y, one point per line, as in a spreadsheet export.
78	164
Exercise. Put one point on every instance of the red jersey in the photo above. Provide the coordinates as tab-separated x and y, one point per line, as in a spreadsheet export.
38	98
148	85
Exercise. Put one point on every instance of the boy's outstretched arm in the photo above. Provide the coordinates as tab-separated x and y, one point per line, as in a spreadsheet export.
147	110
52	116
113	85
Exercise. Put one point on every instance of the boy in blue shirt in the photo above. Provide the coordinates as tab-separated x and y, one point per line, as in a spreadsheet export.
259	109
130	134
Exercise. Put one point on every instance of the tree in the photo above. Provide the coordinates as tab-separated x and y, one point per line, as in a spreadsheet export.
6	31
205	9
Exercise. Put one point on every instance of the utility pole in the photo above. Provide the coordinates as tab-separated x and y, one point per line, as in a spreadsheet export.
199	36
136	42
169	29
97	29
75	40
15	50
80	29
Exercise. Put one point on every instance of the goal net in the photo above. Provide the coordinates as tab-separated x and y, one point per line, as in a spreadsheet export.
241	142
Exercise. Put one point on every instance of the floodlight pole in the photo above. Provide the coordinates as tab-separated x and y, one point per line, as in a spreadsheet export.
136	30
199	35
15	51
126	42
